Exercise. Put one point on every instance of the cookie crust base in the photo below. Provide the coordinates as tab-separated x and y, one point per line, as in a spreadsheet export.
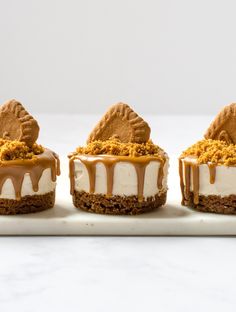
116	205
213	203
27	204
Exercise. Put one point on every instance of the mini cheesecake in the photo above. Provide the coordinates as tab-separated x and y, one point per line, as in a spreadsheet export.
208	168
113	175
27	170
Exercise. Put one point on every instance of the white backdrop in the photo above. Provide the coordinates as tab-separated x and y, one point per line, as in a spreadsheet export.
81	56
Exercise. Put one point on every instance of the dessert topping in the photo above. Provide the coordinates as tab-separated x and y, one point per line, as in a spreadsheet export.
123	123
17	124
224	126
212	151
12	150
117	148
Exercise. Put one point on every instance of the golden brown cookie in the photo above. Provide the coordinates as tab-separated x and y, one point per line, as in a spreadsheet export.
17	124
224	126
123	123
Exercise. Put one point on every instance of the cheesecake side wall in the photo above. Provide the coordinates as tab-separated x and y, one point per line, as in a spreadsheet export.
46	185
225	181
125	179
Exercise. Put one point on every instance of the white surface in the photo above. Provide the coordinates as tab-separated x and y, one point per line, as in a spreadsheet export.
46	185
225	181
162	56
118	273
125	178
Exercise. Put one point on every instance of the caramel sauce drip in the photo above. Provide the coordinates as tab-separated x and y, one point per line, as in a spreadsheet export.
72	176
212	173
195	170
181	180
16	170
187	175
58	164
140	171
110	166
160	176
139	163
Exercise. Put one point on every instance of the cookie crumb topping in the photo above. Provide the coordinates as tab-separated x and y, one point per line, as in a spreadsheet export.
212	151
118	148
14	150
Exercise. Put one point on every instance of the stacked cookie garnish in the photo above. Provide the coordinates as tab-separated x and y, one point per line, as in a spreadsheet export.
120	170
27	170
208	168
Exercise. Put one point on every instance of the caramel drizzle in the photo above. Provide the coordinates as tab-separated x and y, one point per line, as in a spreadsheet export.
58	164
195	169
181	180
212	173
140	171
139	163
186	175
160	176
72	176
16	170
110	177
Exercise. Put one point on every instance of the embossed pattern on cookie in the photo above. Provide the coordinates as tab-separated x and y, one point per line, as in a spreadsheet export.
123	123
17	124
224	126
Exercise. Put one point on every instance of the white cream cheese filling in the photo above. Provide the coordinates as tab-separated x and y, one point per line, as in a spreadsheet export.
46	185
125	182
225	180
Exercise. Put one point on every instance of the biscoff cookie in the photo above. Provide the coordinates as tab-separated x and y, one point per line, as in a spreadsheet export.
17	124
121	122
223	127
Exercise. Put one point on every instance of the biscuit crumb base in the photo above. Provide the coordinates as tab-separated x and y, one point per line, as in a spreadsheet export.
12	150
117	148
27	204
116	205
213	203
214	151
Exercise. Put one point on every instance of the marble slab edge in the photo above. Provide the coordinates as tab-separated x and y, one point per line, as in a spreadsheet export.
167	221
